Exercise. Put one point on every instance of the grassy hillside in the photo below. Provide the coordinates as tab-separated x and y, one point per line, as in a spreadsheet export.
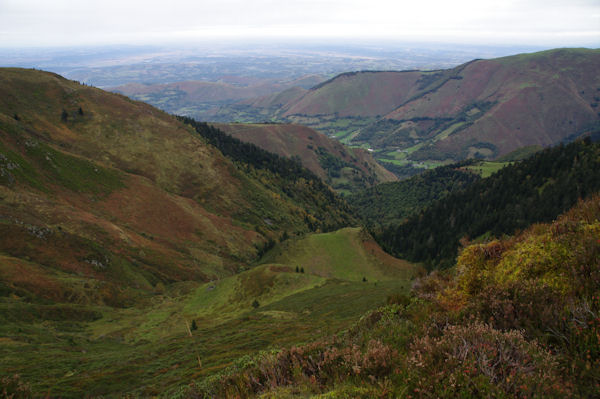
492	99
357	94
276	100
129	241
118	222
322	209
514	318
345	169
130	176
536	189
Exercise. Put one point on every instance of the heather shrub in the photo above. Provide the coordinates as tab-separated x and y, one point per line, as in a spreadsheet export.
475	263
476	360
430	286
545	282
12	387
315	366
398	299
581	340
564	256
527	305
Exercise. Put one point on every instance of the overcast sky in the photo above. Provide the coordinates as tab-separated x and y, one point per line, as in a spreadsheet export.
549	23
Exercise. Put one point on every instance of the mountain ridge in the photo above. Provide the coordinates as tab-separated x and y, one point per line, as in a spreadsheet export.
477	109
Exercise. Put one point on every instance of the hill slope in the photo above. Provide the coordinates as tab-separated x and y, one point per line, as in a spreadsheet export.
343	168
92	182
346	254
357	94
492	101
192	330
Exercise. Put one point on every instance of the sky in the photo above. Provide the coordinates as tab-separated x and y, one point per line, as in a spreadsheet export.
50	23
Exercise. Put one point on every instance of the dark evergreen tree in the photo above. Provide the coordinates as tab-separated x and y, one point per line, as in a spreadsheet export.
534	190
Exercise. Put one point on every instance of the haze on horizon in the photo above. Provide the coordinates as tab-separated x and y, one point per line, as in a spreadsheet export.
548	23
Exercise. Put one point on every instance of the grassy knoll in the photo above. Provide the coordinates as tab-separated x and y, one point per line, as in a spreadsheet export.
344	254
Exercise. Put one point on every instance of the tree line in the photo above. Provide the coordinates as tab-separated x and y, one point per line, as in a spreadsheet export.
534	190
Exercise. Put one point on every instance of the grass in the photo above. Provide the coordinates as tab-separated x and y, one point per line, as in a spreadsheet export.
146	348
520	153
447	132
394	155
401	161
345	254
75	173
23	172
487	168
111	363
35	162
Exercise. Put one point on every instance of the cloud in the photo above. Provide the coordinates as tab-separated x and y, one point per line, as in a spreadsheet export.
37	22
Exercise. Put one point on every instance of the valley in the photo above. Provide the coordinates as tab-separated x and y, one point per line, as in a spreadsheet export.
421	119
410	120
135	255
365	234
